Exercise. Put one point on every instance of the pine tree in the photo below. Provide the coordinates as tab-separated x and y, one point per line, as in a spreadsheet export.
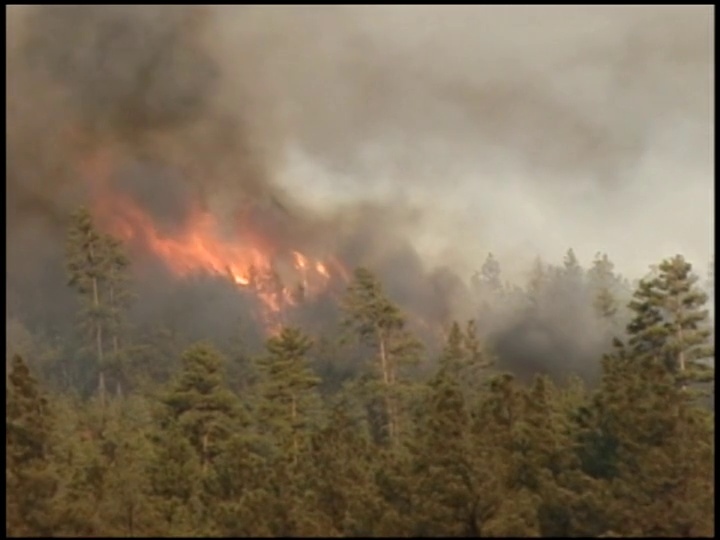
86	269
464	357
288	390
670	325
445	501
126	505
686	320
636	436
343	464
571	266
30	482
175	477
118	300
241	489
650	448
381	324
199	401
603	284
537	282
490	273
452	359
503	509
97	270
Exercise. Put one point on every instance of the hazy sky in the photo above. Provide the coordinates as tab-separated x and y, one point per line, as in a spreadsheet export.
520	130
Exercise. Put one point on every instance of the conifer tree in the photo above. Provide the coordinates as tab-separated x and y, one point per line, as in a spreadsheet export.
87	269
490	273
537	282
636	438
464	357
119	298
381	324
445	500
571	267
97	270
670	324
602	282
30	482
503	509
176	478
288	390
343	465
199	401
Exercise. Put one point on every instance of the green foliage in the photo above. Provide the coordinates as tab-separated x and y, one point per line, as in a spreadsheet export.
380	324
604	286
199	402
670	324
444	489
30	482
471	454
288	390
97	269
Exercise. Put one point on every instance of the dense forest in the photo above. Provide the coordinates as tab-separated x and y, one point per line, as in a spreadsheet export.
249	287
370	426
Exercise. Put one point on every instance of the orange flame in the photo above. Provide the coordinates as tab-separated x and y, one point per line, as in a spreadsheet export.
197	247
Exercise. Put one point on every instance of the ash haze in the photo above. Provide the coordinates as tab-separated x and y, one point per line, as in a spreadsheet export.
513	129
517	130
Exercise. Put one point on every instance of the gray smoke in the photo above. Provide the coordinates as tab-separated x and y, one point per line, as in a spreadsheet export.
409	139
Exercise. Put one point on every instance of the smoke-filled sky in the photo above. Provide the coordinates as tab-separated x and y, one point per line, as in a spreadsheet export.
513	129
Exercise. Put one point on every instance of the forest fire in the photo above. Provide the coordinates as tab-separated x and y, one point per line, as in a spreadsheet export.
280	278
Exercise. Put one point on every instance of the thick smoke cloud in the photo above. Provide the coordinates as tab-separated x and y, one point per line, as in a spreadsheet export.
402	138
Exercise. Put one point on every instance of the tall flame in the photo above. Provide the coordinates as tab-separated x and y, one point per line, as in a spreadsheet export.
198	247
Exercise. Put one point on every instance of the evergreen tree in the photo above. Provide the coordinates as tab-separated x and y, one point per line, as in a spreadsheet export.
30	482
200	403
503	508
97	270
445	500
490	273
119	298
86	269
571	267
669	324
240	489
176	478
637	440
603	285
288	390
342	472
381	324
537	282
464	357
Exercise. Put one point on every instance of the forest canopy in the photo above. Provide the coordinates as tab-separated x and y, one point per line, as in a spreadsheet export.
371	429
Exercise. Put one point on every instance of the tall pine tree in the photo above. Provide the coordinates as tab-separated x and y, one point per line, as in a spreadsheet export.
30	482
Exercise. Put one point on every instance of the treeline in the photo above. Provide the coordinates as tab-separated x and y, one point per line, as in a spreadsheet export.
409	444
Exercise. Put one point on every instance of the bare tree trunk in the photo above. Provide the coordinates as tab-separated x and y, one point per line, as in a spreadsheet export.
293	414
387	381
681	357
383	359
681	354
205	443
115	329
99	343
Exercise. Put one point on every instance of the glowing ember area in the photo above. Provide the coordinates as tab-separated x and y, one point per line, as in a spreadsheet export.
198	247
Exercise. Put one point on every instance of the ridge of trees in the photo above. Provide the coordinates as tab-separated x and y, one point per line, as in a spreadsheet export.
465	450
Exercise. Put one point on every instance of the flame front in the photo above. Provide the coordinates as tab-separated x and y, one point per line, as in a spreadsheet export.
197	247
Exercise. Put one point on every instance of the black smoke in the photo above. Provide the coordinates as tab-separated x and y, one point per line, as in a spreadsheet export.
202	105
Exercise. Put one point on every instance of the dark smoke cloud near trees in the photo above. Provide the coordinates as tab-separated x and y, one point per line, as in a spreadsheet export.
553	138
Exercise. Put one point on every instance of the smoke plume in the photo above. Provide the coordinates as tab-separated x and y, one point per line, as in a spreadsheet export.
412	140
